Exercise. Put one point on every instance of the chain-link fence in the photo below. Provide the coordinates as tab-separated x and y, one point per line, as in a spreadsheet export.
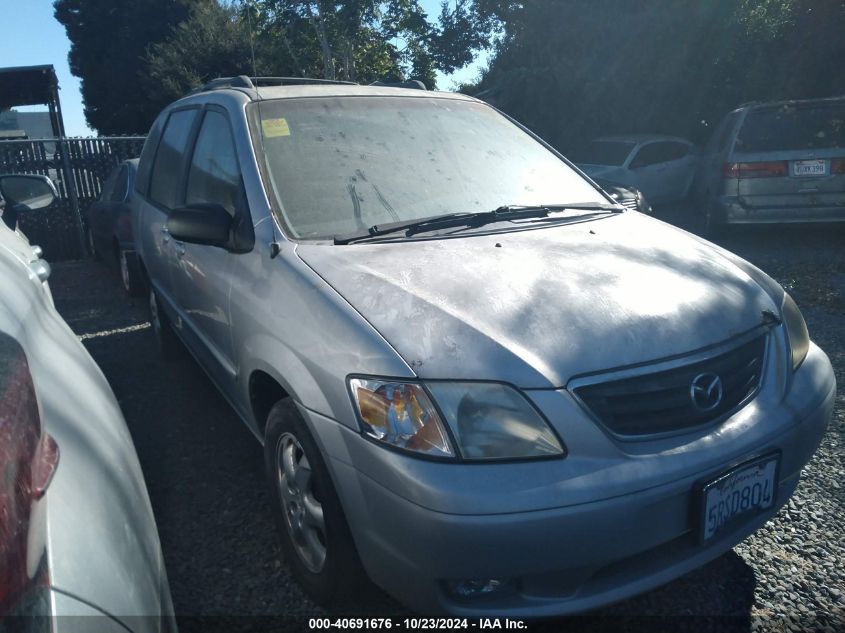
87	162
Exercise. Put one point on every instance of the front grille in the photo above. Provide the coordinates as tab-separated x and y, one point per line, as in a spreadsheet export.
661	402
629	203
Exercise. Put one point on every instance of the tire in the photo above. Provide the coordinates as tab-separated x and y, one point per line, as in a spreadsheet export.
315	536
92	245
712	221
166	340
130	273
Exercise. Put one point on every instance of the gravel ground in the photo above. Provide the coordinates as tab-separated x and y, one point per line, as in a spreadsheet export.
204	474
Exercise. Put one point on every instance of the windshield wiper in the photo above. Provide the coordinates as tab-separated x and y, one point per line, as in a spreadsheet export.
480	218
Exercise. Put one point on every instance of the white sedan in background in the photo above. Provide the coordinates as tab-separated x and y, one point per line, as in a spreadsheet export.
661	167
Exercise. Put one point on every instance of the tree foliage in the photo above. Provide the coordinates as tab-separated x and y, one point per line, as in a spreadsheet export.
576	69
134	56
109	39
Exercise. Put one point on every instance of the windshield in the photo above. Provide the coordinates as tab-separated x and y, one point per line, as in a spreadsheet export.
790	127
604	153
342	164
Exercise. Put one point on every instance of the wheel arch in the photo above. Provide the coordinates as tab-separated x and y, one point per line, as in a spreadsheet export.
264	391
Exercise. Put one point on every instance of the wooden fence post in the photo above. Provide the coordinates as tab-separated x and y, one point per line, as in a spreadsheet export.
70	187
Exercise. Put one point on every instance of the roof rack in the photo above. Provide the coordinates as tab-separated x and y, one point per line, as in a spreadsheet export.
414	84
297	81
251	83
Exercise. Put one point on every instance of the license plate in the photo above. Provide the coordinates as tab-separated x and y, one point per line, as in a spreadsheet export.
742	491
808	168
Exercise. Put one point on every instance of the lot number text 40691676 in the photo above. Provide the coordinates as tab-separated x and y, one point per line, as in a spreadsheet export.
417	624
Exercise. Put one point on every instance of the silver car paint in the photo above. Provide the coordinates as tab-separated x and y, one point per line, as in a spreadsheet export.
102	543
647	291
609	294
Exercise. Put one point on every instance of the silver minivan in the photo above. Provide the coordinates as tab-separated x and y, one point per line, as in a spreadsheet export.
477	380
775	162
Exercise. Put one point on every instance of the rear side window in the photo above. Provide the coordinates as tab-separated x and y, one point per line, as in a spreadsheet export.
165	178
145	162
655	153
604	153
793	127
722	136
214	175
109	185
676	151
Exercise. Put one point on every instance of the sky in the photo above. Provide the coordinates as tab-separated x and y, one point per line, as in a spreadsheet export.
32	37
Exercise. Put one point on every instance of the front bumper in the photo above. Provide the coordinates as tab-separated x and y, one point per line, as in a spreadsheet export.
564	559
734	212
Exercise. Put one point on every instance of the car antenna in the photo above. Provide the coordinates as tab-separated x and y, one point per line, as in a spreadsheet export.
275	246
251	37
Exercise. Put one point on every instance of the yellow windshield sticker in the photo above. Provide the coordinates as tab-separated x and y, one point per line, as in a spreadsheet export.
275	127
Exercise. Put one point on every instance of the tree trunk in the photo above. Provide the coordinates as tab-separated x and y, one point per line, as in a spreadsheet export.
349	61
319	24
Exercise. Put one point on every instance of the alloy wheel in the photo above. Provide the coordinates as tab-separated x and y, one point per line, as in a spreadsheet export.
302	510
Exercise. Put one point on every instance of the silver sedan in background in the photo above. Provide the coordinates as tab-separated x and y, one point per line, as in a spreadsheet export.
77	535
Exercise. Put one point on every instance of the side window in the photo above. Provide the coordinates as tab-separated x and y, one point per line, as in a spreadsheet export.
214	175
677	151
723	134
165	178
121	185
145	161
652	154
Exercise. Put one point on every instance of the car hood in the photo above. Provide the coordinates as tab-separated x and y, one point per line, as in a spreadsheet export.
537	307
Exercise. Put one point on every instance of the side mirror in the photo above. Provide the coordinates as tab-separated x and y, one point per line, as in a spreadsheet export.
202	223
27	192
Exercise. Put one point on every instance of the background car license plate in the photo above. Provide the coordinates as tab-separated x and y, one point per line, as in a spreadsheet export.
808	168
745	489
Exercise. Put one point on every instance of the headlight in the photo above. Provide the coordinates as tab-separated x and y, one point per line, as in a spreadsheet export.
796	331
489	421
642	204
400	414
494	421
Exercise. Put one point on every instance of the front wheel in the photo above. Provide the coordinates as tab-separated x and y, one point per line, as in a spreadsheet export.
315	537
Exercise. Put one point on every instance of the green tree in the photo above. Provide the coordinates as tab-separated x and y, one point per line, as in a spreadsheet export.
135	56
576	69
214	41
363	40
109	39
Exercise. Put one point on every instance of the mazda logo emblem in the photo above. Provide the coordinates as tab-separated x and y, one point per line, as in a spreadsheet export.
706	392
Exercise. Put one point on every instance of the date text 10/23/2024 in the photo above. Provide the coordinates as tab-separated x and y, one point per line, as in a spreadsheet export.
416	624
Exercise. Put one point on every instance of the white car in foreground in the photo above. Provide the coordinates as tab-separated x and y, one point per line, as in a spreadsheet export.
77	535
